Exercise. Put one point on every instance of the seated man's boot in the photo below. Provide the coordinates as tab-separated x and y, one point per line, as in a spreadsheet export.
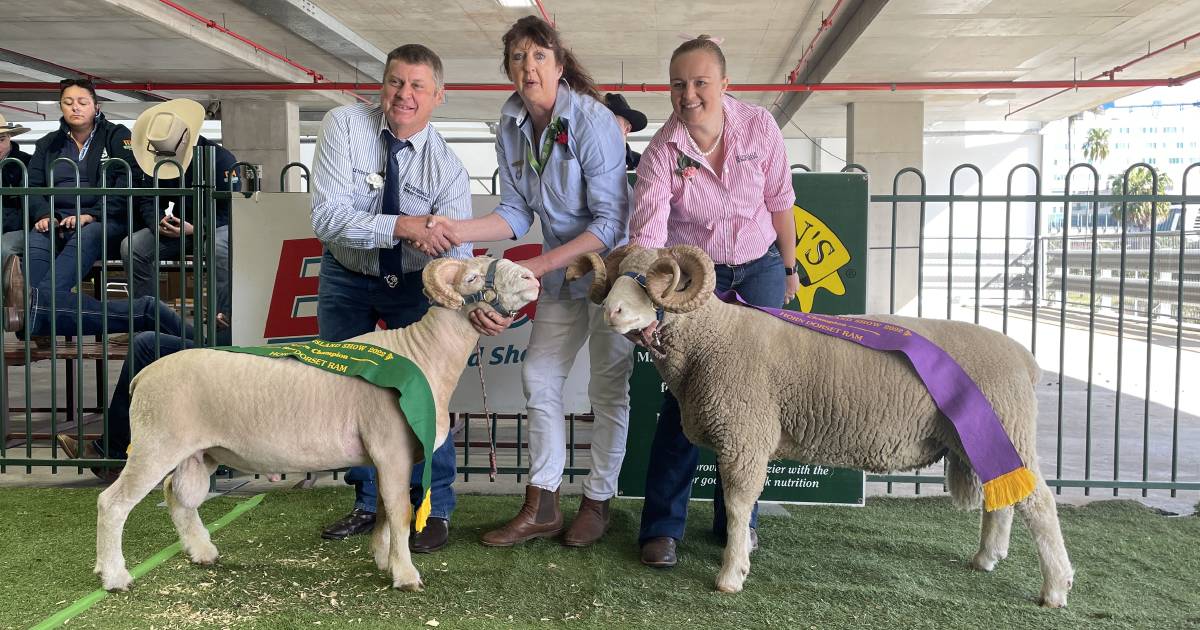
589	525
87	450
358	521
659	552
435	536
539	518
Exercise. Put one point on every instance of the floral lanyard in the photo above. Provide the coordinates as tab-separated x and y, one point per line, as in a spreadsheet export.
555	134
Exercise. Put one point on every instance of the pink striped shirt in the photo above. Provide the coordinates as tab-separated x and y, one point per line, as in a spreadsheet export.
727	215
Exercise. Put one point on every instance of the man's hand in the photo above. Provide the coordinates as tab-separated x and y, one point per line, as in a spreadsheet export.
488	322
43	225
68	223
170	227
431	235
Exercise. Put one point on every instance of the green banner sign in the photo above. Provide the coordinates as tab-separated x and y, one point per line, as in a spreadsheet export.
831	249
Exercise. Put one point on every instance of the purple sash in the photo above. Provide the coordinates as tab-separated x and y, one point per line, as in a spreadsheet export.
990	451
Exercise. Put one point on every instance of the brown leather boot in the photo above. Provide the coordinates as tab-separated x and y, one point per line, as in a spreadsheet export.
539	518
589	525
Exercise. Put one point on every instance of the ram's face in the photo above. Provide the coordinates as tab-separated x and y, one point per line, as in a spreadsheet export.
627	307
514	285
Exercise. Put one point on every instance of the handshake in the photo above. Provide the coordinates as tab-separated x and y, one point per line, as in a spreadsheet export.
436	237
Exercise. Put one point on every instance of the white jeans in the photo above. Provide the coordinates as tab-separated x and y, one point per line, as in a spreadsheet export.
558	332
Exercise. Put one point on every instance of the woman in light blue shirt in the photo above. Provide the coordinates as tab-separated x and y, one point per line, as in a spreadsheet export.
562	159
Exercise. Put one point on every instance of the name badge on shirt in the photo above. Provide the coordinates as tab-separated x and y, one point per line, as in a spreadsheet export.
409	189
747	157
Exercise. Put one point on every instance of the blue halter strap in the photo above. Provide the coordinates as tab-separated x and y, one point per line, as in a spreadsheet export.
488	294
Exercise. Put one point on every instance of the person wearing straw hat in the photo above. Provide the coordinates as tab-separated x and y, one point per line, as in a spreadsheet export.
165	137
13	240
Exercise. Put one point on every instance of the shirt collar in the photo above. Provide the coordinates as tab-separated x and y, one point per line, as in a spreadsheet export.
564	105
736	115
418	139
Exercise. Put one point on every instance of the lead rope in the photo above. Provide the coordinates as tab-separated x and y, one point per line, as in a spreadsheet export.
487	414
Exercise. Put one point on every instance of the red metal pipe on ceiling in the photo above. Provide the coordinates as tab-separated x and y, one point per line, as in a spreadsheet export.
1115	69
545	15
826	23
638	87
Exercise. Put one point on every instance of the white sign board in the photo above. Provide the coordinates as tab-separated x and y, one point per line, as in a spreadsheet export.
276	269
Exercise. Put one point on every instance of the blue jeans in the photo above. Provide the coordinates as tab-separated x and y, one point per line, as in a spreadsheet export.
83	247
349	305
142	352
672	457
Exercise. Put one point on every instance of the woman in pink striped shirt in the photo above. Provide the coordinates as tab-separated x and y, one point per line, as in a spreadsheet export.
716	176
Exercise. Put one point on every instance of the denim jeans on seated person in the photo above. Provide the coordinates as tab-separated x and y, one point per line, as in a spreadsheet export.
672	457
350	304
72	306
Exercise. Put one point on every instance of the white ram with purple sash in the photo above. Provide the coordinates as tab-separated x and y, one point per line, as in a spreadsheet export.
819	400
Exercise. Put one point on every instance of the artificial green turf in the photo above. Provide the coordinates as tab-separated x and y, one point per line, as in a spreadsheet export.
897	563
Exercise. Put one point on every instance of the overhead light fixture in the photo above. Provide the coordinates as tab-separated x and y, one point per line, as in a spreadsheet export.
515	4
995	99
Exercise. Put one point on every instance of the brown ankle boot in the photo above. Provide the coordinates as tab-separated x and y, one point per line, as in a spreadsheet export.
539	518
589	525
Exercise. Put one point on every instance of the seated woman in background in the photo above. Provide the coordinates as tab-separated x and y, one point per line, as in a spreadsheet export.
85	139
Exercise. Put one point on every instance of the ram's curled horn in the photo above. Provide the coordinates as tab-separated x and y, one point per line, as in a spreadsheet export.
438	277
667	273
580	268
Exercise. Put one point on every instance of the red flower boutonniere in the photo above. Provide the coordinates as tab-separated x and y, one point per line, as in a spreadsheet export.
686	167
558	130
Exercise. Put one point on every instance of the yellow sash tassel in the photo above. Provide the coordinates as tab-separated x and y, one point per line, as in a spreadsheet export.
423	512
1007	489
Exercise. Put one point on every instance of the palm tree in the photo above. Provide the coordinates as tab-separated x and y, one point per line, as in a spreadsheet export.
1096	147
1139	184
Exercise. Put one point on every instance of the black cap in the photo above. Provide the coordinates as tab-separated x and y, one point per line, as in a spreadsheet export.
619	106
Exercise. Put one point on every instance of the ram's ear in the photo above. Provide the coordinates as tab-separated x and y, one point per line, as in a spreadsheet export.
439	279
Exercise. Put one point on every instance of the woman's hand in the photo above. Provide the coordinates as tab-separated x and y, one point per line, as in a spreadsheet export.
42	225
68	223
537	265
488	322
791	284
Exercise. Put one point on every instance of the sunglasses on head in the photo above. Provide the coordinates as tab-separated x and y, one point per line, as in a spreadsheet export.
83	83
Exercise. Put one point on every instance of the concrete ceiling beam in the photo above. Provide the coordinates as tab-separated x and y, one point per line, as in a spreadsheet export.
850	23
168	18
16	63
308	21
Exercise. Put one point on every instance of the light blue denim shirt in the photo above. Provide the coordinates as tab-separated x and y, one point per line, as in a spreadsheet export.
582	187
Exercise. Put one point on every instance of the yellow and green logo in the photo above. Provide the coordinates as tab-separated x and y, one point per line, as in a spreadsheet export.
821	254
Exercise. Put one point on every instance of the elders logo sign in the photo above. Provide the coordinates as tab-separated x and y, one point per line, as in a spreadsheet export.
297	281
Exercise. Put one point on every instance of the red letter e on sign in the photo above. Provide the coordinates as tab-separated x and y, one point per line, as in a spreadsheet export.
292	285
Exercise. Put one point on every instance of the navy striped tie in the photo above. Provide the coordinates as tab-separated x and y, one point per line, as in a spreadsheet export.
391	261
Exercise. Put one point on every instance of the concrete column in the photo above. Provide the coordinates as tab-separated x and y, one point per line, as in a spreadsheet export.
884	138
264	132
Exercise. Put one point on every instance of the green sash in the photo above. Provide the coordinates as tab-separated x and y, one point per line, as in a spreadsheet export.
377	366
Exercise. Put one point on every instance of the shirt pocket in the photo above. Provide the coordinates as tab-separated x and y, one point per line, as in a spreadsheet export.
563	180
361	188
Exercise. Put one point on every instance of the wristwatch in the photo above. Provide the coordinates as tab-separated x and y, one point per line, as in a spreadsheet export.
787	271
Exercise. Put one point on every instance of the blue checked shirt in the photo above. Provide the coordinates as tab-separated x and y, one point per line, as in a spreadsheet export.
347	211
583	187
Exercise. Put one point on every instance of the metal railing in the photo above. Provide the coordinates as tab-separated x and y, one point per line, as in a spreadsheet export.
1075	297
